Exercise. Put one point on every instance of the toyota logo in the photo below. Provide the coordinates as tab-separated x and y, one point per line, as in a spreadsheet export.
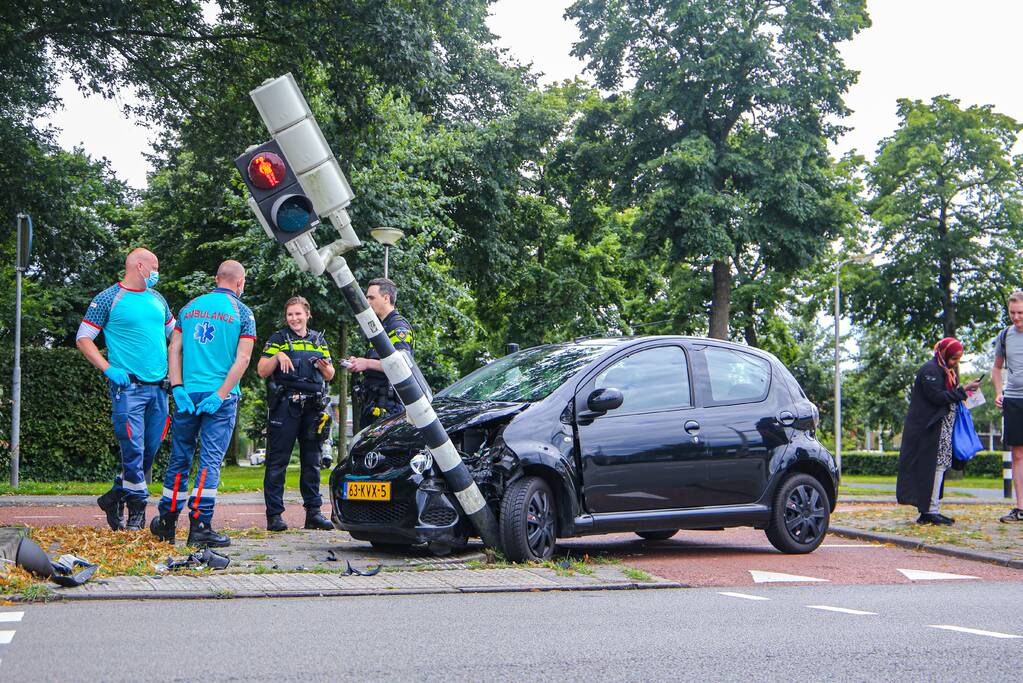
372	459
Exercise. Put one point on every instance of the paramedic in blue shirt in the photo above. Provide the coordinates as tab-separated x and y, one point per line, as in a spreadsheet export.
209	352
135	321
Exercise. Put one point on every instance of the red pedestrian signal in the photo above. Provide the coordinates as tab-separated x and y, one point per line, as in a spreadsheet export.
267	170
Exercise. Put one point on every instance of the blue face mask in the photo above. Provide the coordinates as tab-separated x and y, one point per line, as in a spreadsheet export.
153	278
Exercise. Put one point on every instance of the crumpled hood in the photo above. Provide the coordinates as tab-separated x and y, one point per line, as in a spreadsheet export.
396	432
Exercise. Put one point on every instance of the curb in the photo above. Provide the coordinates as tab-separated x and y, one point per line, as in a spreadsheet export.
57	596
913	544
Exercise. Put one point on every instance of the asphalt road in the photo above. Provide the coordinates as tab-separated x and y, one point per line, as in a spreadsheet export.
688	634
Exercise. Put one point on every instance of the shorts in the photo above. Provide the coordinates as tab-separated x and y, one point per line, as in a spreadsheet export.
1012	421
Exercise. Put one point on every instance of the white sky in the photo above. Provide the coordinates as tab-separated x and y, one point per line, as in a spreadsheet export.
916	49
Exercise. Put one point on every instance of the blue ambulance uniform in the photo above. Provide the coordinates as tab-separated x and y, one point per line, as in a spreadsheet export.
211	327
135	324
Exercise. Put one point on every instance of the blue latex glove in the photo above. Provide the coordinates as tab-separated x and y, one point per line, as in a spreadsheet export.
210	404
118	376
183	401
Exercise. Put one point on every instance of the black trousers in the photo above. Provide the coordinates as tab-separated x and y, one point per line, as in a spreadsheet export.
288	422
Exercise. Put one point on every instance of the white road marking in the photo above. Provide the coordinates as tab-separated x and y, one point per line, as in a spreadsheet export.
777	577
921	575
850	545
974	631
11	616
843	610
6	637
37	517
743	596
250	513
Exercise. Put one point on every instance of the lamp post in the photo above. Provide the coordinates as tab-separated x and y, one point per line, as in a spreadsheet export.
838	355
387	237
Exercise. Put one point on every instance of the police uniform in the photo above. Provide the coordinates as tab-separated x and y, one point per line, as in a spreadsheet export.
296	402
377	395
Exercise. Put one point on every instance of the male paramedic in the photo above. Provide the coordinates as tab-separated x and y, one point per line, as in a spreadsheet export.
209	352
135	321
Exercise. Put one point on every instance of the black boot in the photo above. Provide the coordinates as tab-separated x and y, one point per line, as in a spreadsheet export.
202	535
136	515
275	523
314	520
164	527
112	504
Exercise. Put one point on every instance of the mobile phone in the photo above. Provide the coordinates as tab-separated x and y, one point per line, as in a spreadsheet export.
983	376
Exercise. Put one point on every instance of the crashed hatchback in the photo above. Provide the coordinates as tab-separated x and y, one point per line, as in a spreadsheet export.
644	434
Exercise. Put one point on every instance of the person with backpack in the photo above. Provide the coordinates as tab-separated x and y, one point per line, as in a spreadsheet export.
1009	396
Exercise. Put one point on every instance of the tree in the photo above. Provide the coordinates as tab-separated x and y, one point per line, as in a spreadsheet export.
947	201
725	132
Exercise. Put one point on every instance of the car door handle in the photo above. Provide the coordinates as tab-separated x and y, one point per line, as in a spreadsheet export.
786	418
691	426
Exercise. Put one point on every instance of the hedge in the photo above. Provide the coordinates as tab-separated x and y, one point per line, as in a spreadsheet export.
66	432
984	464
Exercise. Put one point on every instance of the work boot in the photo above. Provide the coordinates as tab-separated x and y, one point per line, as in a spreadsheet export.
136	515
275	523
164	527
314	520
112	504
202	535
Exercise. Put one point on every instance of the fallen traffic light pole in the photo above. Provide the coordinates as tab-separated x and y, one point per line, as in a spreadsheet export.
293	180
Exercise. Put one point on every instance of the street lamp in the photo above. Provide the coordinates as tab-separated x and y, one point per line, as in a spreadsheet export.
387	237
838	355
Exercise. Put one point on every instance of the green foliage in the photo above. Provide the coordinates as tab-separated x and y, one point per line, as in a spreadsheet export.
66	432
984	464
947	198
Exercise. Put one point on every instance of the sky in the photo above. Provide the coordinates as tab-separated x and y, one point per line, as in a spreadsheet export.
915	49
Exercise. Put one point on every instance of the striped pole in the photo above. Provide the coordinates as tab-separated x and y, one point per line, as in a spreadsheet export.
417	406
1007	474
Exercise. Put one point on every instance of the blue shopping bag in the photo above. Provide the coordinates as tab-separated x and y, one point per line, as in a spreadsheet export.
965	442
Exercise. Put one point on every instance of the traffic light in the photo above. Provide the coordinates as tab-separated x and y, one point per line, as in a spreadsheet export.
277	197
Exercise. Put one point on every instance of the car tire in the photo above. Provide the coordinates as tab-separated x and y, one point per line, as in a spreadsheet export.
528	522
800	515
662	535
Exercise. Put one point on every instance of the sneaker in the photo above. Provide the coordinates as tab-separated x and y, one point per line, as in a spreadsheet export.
112	504
1016	515
275	523
932	518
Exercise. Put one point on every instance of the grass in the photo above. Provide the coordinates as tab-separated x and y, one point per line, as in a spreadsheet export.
233	479
965	482
636	574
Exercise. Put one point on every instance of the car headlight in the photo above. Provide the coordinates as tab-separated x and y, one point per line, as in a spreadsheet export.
421	462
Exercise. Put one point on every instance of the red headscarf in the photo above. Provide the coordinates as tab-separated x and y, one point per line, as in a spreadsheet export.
943	350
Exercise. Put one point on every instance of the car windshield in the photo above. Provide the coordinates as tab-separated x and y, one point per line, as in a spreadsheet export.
525	376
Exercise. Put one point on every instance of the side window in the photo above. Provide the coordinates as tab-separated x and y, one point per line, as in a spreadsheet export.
654	379
736	377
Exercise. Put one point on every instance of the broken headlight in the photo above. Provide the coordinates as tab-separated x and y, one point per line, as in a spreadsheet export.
421	462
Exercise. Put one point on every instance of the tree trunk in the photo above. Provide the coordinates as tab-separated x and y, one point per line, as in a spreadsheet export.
342	393
948	307
750	328
721	300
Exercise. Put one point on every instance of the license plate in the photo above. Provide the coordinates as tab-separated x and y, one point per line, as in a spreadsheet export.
367	490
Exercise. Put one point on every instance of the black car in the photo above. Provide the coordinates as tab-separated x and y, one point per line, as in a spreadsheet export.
642	434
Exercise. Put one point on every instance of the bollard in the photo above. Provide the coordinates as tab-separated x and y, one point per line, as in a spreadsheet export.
1007	474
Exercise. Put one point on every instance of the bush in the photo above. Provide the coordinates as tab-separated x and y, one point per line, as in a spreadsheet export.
874	463
65	418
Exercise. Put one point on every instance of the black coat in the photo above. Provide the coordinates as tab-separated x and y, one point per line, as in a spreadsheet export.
929	403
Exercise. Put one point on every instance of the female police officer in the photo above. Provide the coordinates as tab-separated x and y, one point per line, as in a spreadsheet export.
296	362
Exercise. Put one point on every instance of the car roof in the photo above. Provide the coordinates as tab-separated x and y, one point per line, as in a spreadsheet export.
620	341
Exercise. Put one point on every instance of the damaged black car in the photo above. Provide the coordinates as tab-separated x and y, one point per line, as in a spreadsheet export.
645	434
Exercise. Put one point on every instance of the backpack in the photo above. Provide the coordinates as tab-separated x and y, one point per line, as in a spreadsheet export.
999	343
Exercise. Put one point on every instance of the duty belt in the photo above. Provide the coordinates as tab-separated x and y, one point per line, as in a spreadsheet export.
162	383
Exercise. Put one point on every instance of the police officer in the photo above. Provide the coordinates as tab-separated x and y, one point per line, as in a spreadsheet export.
377	396
209	352
296	362
135	321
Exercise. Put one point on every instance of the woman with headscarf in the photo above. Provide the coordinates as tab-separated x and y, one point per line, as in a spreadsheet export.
926	451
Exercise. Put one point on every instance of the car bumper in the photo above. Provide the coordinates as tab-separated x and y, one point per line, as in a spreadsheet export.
421	510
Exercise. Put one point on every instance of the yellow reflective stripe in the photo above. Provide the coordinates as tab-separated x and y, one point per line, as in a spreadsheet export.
271	350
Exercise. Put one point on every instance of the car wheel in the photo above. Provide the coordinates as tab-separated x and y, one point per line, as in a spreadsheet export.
662	535
528	521
800	516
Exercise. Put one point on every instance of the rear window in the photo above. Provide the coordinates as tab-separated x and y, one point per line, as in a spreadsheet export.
736	377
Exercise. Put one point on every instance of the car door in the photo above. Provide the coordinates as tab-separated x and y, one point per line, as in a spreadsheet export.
640	456
737	410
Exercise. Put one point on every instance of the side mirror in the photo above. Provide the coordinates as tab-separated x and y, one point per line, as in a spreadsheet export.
603	400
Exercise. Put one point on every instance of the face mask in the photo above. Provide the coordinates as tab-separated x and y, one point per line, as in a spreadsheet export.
153	278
